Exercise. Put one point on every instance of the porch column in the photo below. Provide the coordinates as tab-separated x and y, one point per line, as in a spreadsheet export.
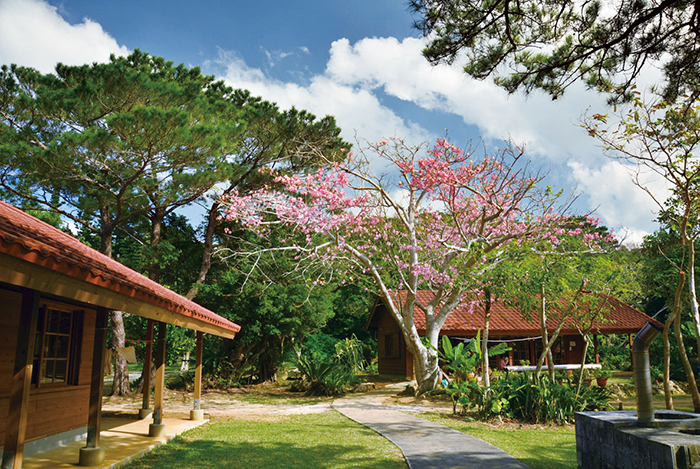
595	348
197	413
93	454
157	428
21	381
145	410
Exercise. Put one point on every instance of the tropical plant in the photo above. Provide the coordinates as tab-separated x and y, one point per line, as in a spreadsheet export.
528	398
462	362
350	354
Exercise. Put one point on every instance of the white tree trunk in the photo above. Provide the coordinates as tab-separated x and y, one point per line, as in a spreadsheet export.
693	293
486	379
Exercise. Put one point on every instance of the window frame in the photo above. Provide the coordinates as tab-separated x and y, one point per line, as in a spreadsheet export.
43	340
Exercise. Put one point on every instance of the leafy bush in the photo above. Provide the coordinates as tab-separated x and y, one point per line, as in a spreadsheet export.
321	346
350	353
463	363
183	381
524	397
614	352
519	396
326	374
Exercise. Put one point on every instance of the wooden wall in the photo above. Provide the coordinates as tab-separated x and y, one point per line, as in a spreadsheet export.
10	303
400	361
52	409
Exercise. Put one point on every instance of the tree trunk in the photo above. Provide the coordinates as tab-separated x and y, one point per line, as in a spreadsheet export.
426	369
120	386
156	236
486	379
586	343
683	354
208	250
425	360
693	297
545	335
668	394
120	383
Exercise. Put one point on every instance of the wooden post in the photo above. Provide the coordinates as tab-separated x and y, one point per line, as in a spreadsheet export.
21	381
93	454
145	411
197	413
157	428
595	348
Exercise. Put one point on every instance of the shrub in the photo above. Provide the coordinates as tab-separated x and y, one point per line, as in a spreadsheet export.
463	363
524	397
350	353
329	374
183	381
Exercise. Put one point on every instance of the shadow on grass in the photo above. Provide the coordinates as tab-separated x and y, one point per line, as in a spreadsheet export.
215	454
326	440
558	457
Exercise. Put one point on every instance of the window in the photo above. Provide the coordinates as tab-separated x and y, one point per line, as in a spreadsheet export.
521	352
389	346
57	345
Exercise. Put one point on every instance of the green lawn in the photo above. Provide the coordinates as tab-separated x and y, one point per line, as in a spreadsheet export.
327	440
540	447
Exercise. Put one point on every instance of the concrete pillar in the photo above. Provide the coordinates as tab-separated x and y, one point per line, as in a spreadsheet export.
21	381
197	413
93	454
157	428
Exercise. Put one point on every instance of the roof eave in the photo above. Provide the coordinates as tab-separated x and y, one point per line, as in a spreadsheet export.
21	273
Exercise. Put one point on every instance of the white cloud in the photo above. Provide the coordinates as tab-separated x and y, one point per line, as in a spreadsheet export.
622	203
33	34
355	73
547	128
357	111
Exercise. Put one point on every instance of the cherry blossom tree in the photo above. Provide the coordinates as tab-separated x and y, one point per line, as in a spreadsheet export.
435	219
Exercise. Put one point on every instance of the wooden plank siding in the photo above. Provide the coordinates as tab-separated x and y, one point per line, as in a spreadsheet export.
392	347
52	408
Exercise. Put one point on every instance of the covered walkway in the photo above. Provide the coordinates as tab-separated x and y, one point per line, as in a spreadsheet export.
123	439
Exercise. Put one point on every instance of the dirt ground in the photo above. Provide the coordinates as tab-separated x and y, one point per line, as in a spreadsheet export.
261	401
214	404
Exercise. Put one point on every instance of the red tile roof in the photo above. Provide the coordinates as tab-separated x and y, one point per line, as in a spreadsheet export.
27	238
507	321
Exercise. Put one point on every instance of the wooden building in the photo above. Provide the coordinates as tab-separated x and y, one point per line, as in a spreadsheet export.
506	325
55	296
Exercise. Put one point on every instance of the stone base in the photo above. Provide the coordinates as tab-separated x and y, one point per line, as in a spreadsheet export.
145	414
156	430
91	456
616	440
196	414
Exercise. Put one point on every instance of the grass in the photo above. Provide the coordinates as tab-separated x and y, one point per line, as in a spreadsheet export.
538	446
327	440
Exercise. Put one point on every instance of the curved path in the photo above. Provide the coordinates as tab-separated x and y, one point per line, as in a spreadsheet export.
424	444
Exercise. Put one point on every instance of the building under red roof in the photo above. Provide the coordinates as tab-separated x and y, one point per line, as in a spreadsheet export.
56	294
507	324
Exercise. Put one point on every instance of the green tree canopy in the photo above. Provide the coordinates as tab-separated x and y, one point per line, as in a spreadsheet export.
548	45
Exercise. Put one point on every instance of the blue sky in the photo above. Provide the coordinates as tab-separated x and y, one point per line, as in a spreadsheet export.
356	60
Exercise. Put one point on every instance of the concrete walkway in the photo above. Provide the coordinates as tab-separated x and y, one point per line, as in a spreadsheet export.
124	439
424	444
